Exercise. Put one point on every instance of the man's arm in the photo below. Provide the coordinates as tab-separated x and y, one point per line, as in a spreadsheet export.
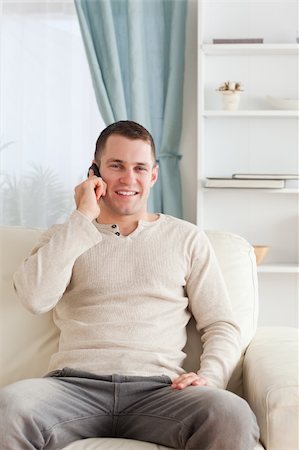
45	274
211	307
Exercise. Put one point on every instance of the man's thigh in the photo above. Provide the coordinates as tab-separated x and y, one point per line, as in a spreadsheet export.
180	418
50	412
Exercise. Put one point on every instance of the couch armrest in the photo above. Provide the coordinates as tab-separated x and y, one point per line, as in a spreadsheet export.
270	377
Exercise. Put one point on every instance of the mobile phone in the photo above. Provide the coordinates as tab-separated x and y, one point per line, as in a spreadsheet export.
95	169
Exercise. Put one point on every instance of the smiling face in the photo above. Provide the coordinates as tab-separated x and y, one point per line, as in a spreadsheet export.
128	168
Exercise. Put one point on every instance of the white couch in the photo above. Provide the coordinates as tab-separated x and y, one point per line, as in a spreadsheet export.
267	376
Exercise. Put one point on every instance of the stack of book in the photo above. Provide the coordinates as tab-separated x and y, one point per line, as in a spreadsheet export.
239	41
253	181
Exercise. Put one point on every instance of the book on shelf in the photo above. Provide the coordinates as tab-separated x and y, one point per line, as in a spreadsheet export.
239	41
267	176
244	183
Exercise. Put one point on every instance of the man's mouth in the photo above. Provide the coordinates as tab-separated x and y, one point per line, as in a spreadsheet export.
126	193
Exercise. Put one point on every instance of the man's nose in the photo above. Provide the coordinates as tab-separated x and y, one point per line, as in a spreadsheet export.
127	176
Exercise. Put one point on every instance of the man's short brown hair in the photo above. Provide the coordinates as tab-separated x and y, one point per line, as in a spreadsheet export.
128	129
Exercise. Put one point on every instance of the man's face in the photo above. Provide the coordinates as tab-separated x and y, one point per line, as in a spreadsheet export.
129	171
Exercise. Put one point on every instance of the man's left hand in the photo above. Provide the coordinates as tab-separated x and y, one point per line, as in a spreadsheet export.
189	379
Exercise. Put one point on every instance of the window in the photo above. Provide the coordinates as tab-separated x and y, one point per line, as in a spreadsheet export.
49	119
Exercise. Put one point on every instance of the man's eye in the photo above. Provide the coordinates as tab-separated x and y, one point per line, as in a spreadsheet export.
141	168
115	166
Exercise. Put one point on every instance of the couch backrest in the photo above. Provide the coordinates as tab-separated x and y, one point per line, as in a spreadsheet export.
27	341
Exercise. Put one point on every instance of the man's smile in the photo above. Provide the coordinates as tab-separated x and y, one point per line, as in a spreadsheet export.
126	193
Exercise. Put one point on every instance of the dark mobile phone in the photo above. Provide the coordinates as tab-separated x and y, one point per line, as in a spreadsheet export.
95	169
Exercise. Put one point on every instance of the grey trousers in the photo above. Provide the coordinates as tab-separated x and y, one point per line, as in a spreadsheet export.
68	405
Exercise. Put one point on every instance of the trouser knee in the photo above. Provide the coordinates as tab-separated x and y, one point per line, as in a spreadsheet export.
229	409
233	419
12	408
18	414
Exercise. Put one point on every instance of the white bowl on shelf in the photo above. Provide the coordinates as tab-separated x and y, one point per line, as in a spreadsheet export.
283	103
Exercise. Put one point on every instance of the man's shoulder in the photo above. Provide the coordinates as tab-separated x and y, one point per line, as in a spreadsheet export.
180	223
182	227
53	229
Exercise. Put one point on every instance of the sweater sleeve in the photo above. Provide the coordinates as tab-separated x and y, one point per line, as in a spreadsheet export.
44	275
210	305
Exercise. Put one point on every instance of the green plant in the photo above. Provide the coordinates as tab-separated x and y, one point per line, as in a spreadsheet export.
232	86
6	144
36	199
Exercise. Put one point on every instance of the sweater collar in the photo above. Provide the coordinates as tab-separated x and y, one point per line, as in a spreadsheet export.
114	228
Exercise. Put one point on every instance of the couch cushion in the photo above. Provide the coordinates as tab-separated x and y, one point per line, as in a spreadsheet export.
119	444
26	341
113	444
238	264
271	385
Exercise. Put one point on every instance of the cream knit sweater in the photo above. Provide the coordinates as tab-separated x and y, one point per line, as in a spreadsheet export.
122	303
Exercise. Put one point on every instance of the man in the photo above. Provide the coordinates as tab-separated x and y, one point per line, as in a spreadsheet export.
123	283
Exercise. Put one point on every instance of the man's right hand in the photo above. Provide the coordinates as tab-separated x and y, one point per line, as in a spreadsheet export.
88	195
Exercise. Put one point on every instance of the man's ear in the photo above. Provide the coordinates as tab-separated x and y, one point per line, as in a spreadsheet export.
154	175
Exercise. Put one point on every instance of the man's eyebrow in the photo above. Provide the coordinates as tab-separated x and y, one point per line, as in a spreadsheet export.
142	164
121	161
114	160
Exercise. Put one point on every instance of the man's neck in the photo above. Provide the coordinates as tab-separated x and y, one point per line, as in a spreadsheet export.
126	224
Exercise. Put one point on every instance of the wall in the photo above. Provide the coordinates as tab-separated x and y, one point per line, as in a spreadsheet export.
189	132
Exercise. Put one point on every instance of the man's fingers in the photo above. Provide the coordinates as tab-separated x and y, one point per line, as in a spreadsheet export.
189	379
184	380
200	382
87	194
101	188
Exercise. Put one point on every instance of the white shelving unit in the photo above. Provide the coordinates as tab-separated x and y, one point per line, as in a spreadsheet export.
253	139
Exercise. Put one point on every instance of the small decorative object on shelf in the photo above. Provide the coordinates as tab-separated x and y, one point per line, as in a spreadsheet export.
230	91
283	103
260	252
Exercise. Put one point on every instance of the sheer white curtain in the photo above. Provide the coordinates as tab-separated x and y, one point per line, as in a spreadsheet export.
49	120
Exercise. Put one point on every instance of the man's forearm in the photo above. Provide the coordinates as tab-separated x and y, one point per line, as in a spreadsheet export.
221	352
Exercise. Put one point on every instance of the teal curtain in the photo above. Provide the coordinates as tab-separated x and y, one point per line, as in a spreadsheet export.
135	50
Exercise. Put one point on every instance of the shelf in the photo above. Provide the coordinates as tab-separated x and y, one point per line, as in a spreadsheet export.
278	268
263	191
260	137
250	49
251	113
